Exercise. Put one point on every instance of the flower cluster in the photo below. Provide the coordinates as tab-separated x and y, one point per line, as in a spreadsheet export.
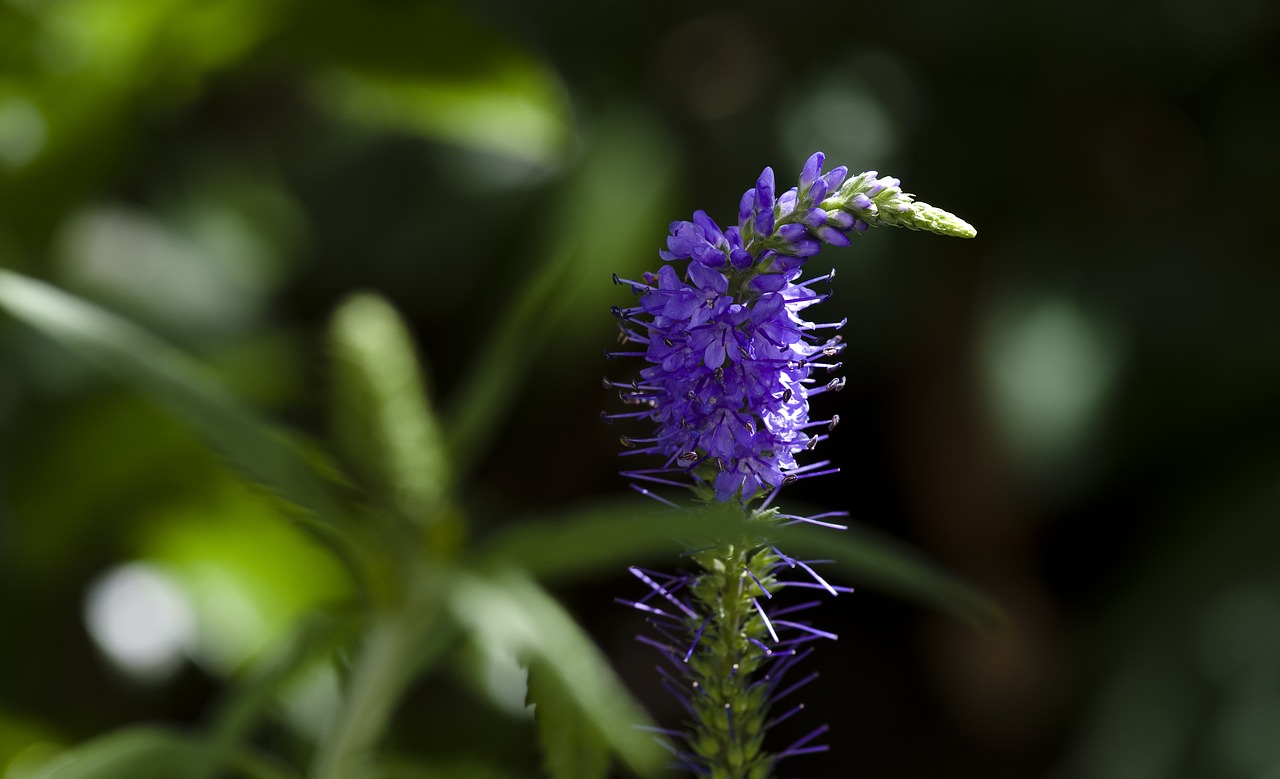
732	365
732	358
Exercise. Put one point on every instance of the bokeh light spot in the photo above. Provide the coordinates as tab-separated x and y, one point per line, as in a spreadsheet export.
141	620
1048	366
23	132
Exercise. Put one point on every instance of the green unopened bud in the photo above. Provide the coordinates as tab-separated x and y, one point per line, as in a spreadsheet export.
881	201
931	219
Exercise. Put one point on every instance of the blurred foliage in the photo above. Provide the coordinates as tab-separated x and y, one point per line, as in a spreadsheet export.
1076	411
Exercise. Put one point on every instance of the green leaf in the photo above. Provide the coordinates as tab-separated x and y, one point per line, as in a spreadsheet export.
871	559
155	753
174	380
582	693
605	537
134	753
571	747
381	415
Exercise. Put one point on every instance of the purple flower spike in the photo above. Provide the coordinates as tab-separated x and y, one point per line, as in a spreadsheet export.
729	352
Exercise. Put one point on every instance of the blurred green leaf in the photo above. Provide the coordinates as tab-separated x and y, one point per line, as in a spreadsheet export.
571	749
870	558
602	538
175	381
607	536
133	753
151	753
430	69
584	696
381	414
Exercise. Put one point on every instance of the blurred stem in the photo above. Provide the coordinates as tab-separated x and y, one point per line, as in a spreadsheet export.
395	649
494	379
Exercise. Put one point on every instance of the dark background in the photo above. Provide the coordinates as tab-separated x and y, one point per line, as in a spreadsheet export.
1076	410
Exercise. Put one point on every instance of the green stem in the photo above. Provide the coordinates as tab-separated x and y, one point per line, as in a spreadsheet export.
392	653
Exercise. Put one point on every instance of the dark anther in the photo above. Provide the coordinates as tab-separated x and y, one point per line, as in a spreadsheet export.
610	355
691	396
830	351
625	441
615	279
605	416
668	342
688	457
742	350
719	374
835	385
607	384
835	367
786	395
751	428
835	420
720	465
790	478
618	312
813	444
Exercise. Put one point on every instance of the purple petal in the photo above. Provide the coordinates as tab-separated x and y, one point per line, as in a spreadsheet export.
764	189
713	355
835	177
832	236
787	201
768	282
767	307
815	217
764	202
812	169
711	231
840	219
705	278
